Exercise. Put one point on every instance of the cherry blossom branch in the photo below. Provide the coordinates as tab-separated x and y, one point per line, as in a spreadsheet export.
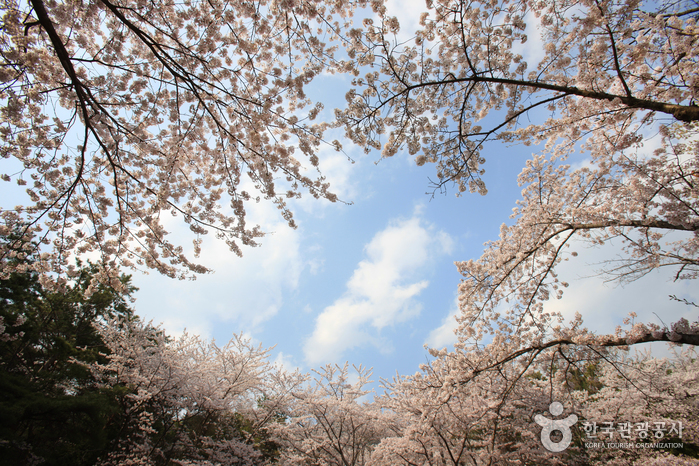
687	113
680	332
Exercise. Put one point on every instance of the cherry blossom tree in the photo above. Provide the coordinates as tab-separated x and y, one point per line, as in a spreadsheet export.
490	418
331	421
446	422
643	390
610	70
613	76
117	113
188	401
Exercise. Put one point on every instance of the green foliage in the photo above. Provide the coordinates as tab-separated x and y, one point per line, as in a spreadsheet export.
58	408
586	379
53	410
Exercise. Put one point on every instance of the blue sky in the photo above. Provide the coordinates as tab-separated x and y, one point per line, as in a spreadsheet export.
373	282
370	282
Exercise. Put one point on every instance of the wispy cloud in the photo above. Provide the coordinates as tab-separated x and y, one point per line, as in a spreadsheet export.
382	291
444	334
604	304
245	292
533	50
408	14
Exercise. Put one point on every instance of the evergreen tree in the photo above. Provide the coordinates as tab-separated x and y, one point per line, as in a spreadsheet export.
53	410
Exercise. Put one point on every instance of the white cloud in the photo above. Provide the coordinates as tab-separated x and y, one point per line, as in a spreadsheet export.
444	334
285	361
340	170
382	291
533	50
605	304
245	291
408	14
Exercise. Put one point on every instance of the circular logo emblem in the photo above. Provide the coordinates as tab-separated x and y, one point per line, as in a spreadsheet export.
550	426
